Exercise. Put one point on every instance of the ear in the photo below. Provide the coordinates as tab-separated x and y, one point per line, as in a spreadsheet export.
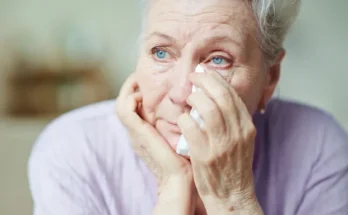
273	75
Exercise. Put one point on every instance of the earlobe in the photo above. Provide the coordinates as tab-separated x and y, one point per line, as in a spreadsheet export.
274	73
274	70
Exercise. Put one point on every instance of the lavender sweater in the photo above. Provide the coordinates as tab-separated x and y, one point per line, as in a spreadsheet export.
83	164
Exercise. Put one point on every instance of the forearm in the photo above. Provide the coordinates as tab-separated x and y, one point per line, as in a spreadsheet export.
176	197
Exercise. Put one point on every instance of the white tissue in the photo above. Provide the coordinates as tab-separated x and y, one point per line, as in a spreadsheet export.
182	147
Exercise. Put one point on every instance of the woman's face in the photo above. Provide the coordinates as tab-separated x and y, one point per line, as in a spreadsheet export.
218	34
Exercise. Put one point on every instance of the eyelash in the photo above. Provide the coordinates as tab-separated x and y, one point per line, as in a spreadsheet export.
155	49
158	48
229	61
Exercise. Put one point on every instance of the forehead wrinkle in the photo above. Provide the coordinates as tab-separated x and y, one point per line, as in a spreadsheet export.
237	18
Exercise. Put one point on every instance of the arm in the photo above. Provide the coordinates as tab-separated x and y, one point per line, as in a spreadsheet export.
58	174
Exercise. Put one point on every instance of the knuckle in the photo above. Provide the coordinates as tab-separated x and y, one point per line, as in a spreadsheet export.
250	132
211	110
211	115
203	159
224	95
236	136
210	161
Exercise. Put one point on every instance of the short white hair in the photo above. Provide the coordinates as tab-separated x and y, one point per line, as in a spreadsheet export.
274	17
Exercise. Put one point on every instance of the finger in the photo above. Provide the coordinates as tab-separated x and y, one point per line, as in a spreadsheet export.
245	119
129	86
155	148
236	98
208	111
196	138
128	100
128	111
233	116
220	94
150	143
221	79
155	144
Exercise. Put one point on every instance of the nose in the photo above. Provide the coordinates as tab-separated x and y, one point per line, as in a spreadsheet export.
181	87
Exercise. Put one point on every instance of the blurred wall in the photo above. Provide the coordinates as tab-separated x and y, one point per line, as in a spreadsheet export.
38	28
315	70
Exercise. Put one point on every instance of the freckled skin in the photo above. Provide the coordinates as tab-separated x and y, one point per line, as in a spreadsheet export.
165	83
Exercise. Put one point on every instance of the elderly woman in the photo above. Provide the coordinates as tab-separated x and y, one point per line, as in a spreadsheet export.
252	156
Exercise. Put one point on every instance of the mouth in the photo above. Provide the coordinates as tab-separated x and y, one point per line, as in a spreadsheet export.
174	127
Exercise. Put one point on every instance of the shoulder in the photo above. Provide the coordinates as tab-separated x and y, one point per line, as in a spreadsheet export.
295	117
83	140
290	113
309	151
84	156
75	126
305	130
83	123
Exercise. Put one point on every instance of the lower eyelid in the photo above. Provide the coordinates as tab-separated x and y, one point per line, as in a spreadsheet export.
221	68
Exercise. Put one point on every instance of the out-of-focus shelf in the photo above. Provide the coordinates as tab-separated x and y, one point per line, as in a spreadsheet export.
42	75
46	92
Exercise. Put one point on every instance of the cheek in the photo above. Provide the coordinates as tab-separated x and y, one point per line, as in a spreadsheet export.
152	83
249	90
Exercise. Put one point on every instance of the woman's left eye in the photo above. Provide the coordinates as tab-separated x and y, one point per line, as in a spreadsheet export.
219	60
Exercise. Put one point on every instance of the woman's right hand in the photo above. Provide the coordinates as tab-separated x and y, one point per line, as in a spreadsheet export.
176	188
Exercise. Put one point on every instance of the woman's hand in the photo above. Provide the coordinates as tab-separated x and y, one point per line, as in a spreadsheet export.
221	153
174	174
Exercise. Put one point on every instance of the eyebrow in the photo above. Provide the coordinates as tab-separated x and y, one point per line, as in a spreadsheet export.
208	39
224	39
158	34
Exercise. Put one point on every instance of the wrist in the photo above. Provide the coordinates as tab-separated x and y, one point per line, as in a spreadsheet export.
176	195
237	203
175	184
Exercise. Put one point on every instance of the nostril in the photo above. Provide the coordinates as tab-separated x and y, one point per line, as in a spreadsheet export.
172	100
179	96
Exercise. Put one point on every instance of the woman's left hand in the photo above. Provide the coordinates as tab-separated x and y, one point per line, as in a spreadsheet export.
222	152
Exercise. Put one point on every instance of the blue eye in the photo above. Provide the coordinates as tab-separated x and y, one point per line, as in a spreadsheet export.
218	60
161	54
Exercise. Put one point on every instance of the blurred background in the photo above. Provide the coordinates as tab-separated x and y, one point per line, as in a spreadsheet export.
57	55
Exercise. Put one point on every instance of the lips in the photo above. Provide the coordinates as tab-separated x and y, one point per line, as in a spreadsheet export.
173	127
